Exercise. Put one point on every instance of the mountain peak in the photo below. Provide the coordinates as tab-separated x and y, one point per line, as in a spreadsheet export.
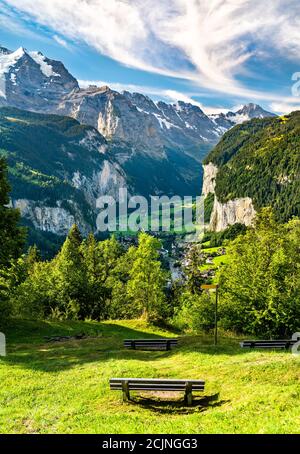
4	51
251	106
19	53
31	81
182	105
247	112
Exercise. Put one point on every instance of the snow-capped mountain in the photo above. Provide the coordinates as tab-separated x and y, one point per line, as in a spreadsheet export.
31	81
245	113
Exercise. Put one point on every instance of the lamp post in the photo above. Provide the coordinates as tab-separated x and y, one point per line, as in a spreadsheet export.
216	288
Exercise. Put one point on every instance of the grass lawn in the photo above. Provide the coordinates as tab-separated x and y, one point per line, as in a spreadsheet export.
217	261
64	387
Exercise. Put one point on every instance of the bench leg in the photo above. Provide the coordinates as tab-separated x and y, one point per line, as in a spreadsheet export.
125	389
188	394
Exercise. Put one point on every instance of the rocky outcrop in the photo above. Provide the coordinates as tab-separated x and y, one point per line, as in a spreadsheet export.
209	178
51	219
58	180
238	211
59	219
105	181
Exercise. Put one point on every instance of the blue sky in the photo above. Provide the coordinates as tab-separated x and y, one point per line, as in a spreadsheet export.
218	54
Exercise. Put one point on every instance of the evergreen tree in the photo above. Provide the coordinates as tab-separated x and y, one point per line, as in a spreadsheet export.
147	279
194	260
95	304
33	256
69	273
11	277
121	304
12	236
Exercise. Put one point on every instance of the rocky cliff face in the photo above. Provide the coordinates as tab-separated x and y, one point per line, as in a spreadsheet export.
238	211
209	179
136	119
258	166
58	169
51	219
59	219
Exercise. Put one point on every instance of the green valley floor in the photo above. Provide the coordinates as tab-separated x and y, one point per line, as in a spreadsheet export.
63	387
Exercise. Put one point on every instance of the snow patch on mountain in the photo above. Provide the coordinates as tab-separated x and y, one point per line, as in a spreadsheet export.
164	123
7	61
46	69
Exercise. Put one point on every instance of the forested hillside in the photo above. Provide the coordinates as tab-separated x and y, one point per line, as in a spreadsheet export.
260	159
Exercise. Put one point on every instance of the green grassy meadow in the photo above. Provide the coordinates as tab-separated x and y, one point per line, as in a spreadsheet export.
63	387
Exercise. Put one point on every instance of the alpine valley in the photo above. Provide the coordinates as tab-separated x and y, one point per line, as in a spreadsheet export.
66	145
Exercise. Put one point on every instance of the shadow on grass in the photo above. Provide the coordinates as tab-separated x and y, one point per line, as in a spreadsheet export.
178	406
34	332
104	344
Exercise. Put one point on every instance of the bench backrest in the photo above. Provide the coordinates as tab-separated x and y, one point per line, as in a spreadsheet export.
268	343
153	343
145	342
150	384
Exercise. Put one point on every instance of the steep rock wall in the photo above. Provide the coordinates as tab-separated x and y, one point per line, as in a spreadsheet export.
238	211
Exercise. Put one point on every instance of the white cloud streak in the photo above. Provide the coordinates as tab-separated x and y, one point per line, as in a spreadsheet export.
62	42
208	42
284	108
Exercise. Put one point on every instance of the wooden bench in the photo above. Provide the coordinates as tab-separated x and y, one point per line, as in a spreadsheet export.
270	344
148	384
150	344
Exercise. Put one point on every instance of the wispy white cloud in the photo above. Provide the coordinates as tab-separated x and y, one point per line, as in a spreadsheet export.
62	42
15	24
284	108
208	42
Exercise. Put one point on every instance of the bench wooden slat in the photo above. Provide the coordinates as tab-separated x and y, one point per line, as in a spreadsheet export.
156	380
159	344
151	340
166	344
149	385
268	343
155	384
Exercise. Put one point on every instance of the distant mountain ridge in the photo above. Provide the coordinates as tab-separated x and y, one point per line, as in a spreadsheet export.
31	81
245	113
